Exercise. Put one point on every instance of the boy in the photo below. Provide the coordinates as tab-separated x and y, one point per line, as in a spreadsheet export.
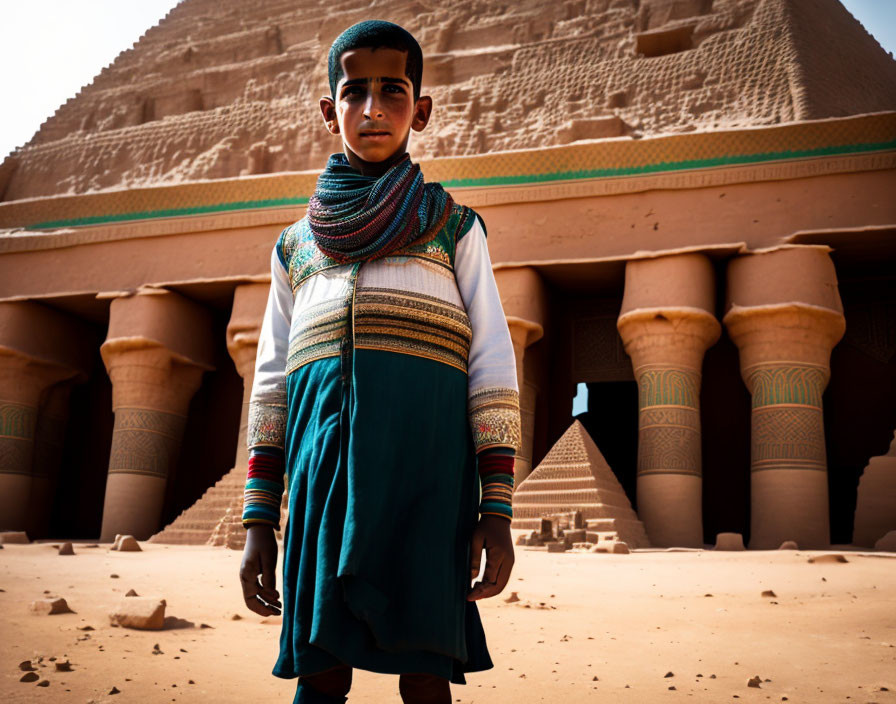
385	388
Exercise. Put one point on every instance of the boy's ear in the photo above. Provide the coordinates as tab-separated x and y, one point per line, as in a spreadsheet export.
422	111
328	111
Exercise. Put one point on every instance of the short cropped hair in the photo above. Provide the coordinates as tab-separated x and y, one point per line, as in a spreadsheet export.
376	34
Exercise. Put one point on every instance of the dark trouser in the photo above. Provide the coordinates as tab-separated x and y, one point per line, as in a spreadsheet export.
331	687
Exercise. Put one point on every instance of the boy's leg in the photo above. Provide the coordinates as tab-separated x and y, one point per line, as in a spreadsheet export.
423	688
326	687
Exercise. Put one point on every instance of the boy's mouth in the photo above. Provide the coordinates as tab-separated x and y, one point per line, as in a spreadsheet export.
374	134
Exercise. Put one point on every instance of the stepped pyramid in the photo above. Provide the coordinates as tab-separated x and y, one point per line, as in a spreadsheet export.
215	519
574	476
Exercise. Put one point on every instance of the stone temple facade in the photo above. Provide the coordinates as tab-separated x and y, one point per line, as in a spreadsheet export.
690	209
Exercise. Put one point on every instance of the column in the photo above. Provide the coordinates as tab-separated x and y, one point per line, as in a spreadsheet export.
666	323
784	314
524	299
39	347
158	346
249	302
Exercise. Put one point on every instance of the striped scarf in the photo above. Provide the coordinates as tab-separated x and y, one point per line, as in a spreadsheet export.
355	217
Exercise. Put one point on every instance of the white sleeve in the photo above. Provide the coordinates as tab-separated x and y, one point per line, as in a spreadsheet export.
493	397
267	402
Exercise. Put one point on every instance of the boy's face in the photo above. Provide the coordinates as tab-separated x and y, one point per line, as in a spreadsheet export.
374	108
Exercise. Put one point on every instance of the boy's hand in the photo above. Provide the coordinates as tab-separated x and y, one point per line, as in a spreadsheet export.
492	533
260	557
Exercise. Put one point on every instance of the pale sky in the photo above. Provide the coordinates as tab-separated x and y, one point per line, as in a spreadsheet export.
51	48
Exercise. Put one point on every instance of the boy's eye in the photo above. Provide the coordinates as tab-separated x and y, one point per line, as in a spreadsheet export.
393	88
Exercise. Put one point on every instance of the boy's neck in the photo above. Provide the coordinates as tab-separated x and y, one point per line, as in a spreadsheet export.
373	168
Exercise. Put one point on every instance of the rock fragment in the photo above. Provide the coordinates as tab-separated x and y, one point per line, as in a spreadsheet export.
64	666
830	557
789	545
140	612
29	677
126	543
754	681
769	592
66	549
512	598
43	683
26	666
48	607
11	537
131	592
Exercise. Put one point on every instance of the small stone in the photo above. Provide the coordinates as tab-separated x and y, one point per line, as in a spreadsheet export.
26	666
619	547
48	607
236	617
85	628
64	666
205	625
512	598
66	549
557	546
789	545
114	690
754	681
14	537
831	557
769	592
190	682
669	674
140	612
43	683
131	592
729	541
113	576
29	677
127	543
673	687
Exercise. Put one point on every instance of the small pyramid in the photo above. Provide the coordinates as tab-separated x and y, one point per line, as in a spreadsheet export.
574	476
215	518
876	499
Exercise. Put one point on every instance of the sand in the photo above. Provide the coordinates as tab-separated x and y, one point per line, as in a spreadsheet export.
587	628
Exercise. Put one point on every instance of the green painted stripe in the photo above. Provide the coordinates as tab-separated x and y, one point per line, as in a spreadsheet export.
171	212
512	180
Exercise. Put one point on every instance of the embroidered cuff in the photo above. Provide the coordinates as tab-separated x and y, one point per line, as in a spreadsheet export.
264	489
496	474
495	418
267	425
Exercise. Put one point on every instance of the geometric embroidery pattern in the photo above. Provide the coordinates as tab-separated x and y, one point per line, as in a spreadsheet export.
267	425
668	387
495	418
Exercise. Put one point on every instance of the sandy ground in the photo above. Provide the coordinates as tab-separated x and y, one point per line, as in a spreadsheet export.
587	628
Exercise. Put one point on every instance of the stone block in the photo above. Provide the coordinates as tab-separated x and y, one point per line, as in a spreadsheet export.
48	607
14	537
141	612
557	546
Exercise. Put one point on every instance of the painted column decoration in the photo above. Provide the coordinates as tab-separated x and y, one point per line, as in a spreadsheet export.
39	347
667	323
524	299
784	314
158	346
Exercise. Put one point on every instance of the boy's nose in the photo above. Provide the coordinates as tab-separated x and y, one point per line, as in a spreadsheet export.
372	109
